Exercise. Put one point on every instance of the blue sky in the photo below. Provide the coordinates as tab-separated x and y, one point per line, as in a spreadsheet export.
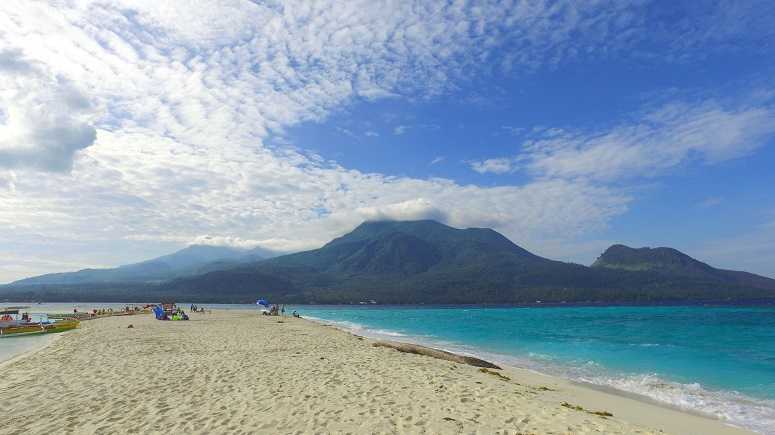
131	129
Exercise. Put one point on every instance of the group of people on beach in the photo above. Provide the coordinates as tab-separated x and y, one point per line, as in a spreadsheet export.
179	315
277	310
274	310
197	309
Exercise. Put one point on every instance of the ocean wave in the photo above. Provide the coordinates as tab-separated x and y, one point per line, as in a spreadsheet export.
729	406
388	333
358	328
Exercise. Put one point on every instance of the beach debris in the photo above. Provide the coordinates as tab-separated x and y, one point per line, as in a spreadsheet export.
435	353
131	326
602	414
457	423
574	407
490	372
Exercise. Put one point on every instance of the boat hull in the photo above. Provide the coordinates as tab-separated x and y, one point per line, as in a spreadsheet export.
35	329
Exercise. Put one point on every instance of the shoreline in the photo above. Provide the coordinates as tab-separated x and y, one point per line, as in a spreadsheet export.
240	370
507	366
726	406
46	340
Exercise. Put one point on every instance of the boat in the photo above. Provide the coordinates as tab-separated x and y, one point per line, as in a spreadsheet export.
14	324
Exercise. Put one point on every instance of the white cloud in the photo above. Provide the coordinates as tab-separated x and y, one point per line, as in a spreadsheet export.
676	133
414	209
400	129
669	136
347	132
45	118
436	160
184	95
494	166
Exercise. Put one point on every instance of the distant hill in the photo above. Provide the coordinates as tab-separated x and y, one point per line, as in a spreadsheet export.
428	262
671	262
194	259
666	260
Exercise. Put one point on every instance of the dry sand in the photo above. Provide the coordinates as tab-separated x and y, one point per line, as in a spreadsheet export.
237	372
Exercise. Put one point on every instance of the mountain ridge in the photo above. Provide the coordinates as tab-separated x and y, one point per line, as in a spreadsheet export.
190	260
667	260
429	262
440	264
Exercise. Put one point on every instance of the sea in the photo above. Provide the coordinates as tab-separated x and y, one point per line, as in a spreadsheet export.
715	360
718	361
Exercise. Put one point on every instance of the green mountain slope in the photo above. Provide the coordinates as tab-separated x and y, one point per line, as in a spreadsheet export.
428	262
667	260
670	262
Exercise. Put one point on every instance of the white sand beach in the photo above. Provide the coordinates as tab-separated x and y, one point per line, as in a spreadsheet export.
238	372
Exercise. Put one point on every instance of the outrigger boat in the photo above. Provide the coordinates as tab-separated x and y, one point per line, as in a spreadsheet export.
14	324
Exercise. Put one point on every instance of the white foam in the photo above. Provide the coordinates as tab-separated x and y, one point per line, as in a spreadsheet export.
728	406
359	329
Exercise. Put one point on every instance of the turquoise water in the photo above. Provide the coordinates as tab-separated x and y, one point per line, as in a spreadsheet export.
716	360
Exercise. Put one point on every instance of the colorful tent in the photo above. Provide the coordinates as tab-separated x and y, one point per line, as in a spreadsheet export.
158	311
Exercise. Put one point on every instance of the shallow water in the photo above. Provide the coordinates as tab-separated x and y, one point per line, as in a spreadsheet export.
13	346
716	360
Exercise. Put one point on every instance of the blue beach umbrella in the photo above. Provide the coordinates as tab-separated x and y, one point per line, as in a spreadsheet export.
263	302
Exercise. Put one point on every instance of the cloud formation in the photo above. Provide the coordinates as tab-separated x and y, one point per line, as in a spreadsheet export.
162	111
673	134
499	165
45	119
414	209
664	138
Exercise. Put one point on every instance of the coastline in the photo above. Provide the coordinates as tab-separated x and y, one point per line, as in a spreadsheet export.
703	371
233	370
516	372
45	340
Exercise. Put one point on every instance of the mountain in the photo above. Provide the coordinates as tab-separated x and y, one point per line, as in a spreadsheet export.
193	259
428	262
671	262
658	259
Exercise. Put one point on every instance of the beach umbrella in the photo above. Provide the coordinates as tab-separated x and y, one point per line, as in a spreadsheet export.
263	302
